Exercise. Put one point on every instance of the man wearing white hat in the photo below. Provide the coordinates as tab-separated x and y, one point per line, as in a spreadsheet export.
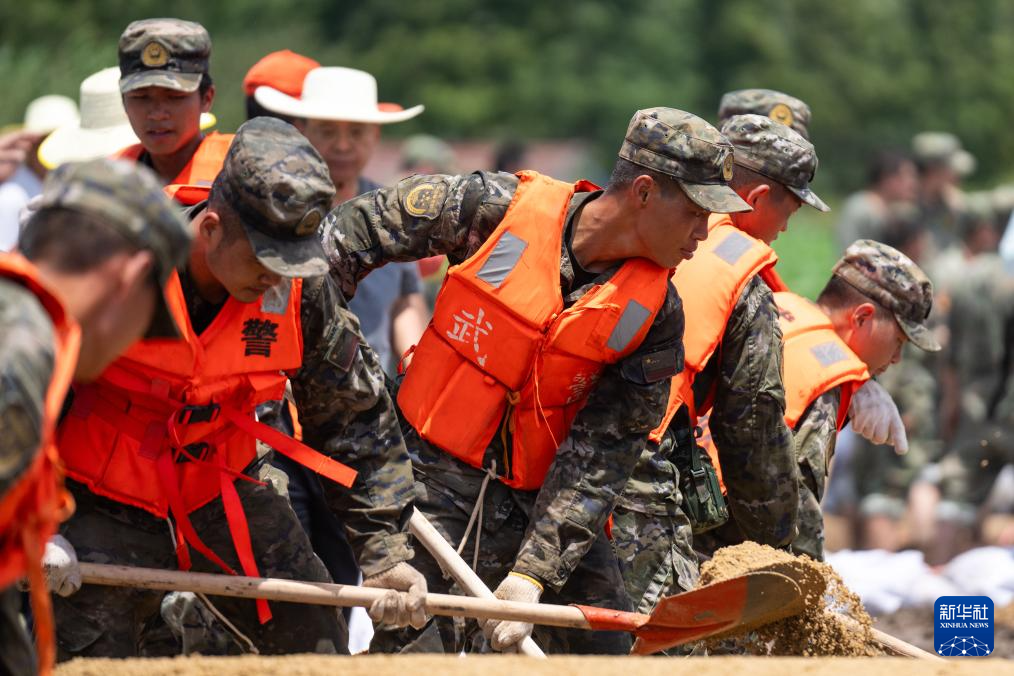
42	116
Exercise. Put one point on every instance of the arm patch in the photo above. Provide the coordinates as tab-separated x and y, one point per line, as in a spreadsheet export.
343	349
653	367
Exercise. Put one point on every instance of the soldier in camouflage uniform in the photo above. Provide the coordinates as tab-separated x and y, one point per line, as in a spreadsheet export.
652	535
95	220
254	233
553	537
981	355
879	287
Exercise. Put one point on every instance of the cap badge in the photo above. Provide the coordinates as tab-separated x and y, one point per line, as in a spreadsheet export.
154	55
782	114
727	168
309	224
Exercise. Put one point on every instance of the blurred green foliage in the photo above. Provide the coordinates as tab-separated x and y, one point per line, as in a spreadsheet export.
874	71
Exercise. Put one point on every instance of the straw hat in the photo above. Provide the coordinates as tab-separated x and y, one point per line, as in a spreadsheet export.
102	130
343	94
46	113
103	127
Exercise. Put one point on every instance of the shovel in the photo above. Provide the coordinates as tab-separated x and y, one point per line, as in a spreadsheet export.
743	602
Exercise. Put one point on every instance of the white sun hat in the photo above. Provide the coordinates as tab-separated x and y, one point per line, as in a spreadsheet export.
102	130
46	113
343	94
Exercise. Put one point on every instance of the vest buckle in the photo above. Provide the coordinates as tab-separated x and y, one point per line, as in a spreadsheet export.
198	414
198	452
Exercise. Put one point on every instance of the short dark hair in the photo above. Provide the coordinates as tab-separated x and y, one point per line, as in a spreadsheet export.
885	164
840	295
72	241
625	172
231	223
206	83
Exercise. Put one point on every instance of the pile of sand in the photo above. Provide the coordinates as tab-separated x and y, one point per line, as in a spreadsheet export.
834	621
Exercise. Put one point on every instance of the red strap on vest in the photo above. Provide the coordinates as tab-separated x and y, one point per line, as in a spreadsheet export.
235	516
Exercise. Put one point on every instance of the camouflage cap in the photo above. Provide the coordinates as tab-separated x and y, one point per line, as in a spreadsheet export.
281	189
889	277
776	151
128	197
780	107
690	150
169	53
940	147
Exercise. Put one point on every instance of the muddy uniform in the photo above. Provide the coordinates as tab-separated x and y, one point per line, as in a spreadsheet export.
555	534
345	411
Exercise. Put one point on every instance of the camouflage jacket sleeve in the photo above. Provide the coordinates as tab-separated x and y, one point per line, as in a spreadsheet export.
346	413
27	354
421	216
595	461
815	436
754	443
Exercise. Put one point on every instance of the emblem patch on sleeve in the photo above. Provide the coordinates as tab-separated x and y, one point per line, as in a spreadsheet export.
425	200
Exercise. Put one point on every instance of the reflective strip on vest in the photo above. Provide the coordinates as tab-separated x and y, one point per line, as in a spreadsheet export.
502	260
828	353
631	321
732	248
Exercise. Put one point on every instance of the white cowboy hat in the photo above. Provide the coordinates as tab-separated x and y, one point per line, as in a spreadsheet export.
102	130
342	94
103	127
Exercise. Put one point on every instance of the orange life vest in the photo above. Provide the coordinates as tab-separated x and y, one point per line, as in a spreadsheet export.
194	182
815	358
502	354
814	361
32	509
170	425
710	284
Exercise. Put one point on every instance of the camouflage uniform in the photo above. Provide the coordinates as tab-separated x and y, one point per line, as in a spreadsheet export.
981	333
890	279
130	201
555	534
280	188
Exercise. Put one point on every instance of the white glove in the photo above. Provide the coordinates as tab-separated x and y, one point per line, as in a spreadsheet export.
59	563
505	636
405	606
875	417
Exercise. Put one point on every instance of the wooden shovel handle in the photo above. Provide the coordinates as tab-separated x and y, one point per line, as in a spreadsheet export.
326	594
896	646
455	566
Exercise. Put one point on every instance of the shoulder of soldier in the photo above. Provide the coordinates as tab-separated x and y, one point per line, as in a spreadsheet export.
27	352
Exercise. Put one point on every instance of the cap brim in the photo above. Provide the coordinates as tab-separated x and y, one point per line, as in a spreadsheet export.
280	102
74	144
302	257
810	197
715	197
920	336
167	79
162	323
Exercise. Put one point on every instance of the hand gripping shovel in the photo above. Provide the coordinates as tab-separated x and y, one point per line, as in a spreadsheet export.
743	602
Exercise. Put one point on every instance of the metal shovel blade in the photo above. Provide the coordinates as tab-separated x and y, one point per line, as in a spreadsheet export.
740	604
